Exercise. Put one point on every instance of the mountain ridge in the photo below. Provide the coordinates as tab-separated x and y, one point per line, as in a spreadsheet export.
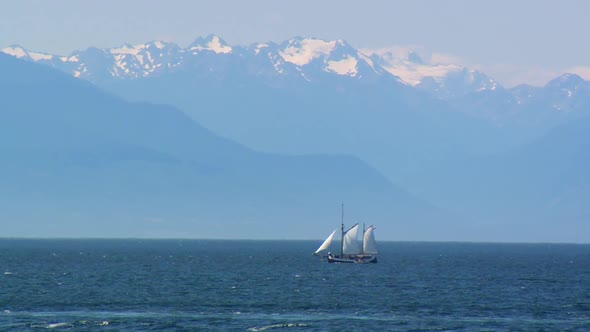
299	58
133	61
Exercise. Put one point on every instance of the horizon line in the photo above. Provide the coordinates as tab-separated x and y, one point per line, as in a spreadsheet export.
131	238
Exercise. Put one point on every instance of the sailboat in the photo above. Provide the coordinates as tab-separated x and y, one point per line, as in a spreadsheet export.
350	248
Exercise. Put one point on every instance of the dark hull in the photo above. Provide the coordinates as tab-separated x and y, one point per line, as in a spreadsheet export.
365	259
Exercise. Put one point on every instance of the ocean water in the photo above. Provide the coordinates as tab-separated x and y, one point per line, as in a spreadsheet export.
200	285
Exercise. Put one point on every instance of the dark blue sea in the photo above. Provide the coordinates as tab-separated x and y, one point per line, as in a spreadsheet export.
200	285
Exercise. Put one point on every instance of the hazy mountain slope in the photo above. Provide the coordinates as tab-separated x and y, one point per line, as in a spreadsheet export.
373	121
76	161
307	95
540	190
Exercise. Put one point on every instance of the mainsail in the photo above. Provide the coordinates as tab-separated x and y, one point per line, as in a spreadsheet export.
369	244
326	243
350	245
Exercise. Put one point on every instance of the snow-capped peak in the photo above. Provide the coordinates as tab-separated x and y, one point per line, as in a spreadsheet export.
566	87
301	51
565	80
479	80
19	52
335	56
211	43
407	64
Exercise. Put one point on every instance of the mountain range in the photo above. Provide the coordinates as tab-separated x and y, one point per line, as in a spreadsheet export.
304	63
77	161
497	163
309	59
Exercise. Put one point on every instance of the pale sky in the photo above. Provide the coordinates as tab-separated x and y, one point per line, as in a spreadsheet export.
512	41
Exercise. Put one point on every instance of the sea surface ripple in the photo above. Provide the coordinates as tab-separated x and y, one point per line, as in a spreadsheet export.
187	285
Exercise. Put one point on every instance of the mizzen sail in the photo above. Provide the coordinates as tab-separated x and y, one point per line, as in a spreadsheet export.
369	244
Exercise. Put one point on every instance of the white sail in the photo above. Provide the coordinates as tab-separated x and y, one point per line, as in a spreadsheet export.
351	244
326	243
369	244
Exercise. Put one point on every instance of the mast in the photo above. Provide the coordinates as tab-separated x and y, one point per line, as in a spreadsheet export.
363	235
342	233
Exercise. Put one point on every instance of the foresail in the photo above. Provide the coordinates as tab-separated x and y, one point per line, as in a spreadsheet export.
351	244
326	243
369	244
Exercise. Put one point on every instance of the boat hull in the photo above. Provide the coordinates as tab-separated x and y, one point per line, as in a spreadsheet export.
358	259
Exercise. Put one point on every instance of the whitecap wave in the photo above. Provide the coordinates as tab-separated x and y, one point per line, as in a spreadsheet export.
277	326
58	325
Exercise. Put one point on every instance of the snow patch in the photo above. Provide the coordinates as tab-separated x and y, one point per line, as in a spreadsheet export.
159	44
346	66
259	47
72	58
493	85
119	61
40	56
18	52
367	60
277	67
150	59
277	62
139	58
